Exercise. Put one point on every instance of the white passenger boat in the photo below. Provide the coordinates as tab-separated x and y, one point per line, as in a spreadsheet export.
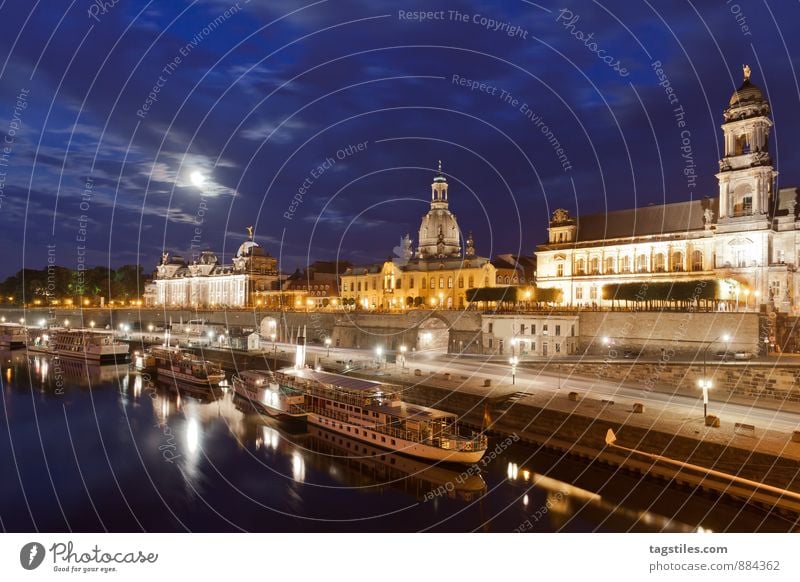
91	345
265	394
174	364
12	335
373	412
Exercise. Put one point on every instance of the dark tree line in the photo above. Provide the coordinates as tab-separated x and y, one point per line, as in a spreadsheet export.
59	283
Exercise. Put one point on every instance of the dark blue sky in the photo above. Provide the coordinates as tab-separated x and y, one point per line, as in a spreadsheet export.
256	98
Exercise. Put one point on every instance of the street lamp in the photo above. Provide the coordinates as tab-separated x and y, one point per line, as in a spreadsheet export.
403	350
705	382
328	345
513	346
66	323
513	360
378	352
274	351
705	385
91	324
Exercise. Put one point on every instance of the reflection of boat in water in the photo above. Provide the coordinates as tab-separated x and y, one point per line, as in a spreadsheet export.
261	390
373	412
13	335
204	394
175	364
89	345
77	372
379	467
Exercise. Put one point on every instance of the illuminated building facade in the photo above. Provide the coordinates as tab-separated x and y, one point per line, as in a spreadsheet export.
208	283
437	275
748	236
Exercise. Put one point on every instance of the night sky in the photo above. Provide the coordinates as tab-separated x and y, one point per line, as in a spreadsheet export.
269	100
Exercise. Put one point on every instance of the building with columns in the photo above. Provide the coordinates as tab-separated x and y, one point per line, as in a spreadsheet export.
206	282
748	236
436	275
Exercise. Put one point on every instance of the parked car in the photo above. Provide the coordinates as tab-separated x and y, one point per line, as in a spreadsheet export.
632	353
742	355
725	355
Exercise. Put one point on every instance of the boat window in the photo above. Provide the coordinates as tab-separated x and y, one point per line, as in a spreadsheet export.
374	437
383	439
393	443
365	433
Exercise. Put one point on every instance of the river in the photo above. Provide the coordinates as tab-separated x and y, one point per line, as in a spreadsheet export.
86	448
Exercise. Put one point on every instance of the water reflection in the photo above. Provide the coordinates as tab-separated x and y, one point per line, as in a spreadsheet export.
204	452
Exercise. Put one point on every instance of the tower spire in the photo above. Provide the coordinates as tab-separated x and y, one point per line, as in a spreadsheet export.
745	72
440	167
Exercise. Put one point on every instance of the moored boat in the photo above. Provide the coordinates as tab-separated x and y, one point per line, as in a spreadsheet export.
267	395
373	412
91	345
13	335
172	363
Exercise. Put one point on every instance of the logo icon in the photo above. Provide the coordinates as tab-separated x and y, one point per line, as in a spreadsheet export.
31	555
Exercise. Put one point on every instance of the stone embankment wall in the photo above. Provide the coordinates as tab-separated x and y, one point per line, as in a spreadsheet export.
763	381
608	332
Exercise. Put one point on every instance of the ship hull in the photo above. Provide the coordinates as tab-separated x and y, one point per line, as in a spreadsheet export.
169	374
108	358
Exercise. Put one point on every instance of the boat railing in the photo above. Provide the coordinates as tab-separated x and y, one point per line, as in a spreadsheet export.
446	441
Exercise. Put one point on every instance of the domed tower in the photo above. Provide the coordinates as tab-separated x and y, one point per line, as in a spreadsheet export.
746	176
439	236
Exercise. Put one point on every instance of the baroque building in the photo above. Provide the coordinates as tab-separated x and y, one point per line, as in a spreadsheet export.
748	236
436	275
206	282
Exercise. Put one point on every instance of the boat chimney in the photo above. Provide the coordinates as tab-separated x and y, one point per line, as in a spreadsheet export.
300	354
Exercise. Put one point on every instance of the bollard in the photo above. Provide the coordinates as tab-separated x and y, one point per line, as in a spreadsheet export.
638	407
712	421
487	382
446	375
418	372
796	436
574	396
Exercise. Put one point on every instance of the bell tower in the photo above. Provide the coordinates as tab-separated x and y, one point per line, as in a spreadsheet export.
439	190
746	175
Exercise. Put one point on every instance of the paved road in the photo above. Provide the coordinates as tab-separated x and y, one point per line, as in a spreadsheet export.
692	408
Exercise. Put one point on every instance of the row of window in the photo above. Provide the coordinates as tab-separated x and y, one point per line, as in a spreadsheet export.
444	283
642	264
525	329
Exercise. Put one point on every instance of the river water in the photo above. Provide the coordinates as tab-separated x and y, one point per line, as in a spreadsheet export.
90	448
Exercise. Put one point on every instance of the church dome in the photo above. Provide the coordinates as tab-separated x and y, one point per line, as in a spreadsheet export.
746	94
439	235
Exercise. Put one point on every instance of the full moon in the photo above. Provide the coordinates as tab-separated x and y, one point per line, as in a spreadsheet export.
197	178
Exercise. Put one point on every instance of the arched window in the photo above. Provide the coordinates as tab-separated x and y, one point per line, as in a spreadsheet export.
581	267
441	282
625	267
499	279
423	282
595	266
449	282
677	261
609	265
508	279
471	282
461	282
658	263
641	264
697	261
743	200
